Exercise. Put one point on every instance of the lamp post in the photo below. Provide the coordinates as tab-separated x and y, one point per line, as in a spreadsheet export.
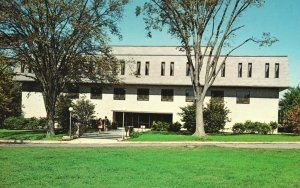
70	110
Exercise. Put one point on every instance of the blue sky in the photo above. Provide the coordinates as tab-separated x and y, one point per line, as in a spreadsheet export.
280	18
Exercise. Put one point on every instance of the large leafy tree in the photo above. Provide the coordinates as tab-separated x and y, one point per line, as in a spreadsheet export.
60	41
10	93
204	29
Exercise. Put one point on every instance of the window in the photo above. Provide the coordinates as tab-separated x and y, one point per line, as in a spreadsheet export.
249	70
243	97
188	71
276	70
90	67
73	92
22	68
143	94
189	95
240	70
162	68
119	94
267	70
213	68
96	93
223	70
138	68
217	94
167	94
172	69
122	67
147	68
29	70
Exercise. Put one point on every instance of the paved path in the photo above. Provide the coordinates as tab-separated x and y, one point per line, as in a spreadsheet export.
115	143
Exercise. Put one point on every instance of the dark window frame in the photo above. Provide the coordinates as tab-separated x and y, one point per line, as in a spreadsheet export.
249	70
217	94
277	68
187	71
167	95
96	93
188	97
143	94
73	92
243	97
122	64
240	70
163	68
119	94
138	68
267	70
147	67
223	70
172	68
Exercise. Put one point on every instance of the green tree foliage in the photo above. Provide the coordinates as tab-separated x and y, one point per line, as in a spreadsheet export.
83	114
62	112
215	116
60	41
10	93
203	28
290	99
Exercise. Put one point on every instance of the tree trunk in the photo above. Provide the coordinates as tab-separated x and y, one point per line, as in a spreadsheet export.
199	118
49	101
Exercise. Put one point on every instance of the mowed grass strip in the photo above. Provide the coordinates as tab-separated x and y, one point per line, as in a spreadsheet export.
148	167
27	135
226	137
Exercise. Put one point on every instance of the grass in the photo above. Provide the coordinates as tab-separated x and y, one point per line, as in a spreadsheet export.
164	136
27	135
148	167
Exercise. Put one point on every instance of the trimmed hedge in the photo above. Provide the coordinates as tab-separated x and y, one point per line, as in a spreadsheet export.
24	123
254	127
164	126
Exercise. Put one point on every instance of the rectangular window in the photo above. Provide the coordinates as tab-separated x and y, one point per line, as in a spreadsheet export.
276	70
96	93
223	70
213	68
119	94
188	71
217	94
240	70
167	94
267	70
73	92
138	68
29	70
122	67
189	95
143	94
243	97
22	68
147	68
172	69
163	66
249	70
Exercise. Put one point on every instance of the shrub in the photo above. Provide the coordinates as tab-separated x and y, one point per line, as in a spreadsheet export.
238	128
62	112
253	127
160	126
15	122
175	127
215	116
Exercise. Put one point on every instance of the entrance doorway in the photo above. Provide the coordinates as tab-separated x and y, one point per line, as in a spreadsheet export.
140	119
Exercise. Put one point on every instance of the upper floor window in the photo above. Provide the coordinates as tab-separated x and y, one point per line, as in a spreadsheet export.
276	70
240	70
167	94
73	92
122	67
217	94
163	66
138	68
96	93
249	70
267	70
189	95
243	97
147	66
22	68
172	69
119	94
188	71
143	94
223	70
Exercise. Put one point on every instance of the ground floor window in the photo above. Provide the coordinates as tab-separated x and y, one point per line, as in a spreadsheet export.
243	97
96	93
189	95
217	94
143	94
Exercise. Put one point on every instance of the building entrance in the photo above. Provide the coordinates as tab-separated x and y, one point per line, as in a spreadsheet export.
140	119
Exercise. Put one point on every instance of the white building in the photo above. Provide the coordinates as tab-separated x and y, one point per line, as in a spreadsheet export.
157	84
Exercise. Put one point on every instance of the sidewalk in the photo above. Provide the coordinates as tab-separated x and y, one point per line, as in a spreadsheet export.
90	142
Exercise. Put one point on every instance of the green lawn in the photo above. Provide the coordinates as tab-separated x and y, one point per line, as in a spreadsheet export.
157	136
27	135
148	167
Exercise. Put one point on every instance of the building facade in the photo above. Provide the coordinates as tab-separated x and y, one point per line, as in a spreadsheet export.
156	83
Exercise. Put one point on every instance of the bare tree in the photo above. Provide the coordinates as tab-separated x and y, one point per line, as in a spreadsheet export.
61	41
203	28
